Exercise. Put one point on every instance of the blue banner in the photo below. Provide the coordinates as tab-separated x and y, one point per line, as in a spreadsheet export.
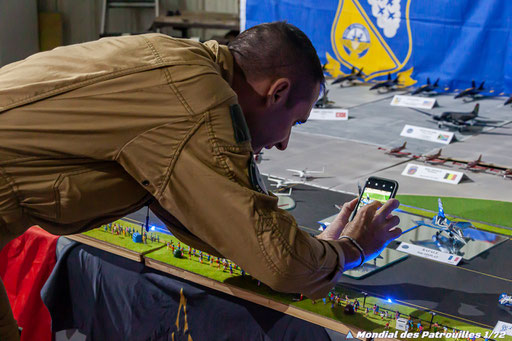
456	41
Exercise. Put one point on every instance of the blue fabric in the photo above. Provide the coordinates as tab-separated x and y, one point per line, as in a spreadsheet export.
456	41
108	297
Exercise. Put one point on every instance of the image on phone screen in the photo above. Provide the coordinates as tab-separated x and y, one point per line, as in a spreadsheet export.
370	193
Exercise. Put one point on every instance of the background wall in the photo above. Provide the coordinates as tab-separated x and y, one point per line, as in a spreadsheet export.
82	18
18	38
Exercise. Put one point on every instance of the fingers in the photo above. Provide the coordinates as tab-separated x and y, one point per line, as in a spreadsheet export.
346	211
387	208
395	232
391	222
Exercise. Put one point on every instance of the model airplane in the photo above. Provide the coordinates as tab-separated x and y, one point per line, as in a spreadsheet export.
396	151
434	158
387	85
454	230
508	101
324	102
258	157
473	92
305	174
505	300
281	194
427	88
474	165
460	120
350	78
281	183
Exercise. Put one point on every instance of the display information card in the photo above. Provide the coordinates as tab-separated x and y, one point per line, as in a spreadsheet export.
427	134
425	252
329	114
413	102
431	173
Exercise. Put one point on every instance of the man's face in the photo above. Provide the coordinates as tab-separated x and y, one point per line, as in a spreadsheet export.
273	126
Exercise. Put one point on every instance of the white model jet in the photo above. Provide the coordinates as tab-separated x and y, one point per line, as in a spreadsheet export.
305	173
282	183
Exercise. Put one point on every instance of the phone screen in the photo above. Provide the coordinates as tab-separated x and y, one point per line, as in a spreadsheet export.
376	189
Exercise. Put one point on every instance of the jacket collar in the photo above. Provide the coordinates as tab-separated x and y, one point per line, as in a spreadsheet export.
223	58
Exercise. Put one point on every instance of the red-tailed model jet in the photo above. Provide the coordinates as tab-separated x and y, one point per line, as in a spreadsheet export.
396	151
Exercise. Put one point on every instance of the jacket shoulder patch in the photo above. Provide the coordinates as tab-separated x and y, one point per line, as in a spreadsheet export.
240	127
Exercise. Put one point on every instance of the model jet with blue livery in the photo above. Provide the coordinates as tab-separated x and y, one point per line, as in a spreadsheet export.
428	89
473	92
350	78
454	229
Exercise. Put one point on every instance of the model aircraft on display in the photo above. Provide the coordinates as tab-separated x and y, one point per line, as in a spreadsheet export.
305	173
428	88
396	151
505	300
282	183
434	158
324	102
258	157
475	165
473	92
350	78
387	85
455	238
460	120
283	194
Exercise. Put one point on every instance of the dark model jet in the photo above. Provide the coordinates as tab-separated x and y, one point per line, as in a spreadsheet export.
427	88
354	75
459	118
462	120
389	84
324	102
472	92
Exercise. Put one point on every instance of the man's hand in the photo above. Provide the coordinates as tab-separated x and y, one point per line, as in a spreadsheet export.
373	228
333	231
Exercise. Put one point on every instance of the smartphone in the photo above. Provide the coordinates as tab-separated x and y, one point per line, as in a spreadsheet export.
376	189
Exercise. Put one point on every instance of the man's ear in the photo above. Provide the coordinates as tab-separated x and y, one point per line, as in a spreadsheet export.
278	92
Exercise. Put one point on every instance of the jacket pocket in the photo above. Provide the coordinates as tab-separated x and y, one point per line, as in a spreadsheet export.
87	194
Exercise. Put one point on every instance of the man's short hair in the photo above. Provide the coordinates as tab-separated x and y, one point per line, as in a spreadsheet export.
278	49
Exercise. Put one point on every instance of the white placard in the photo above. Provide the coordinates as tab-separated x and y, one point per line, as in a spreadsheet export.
431	173
401	324
425	252
433	135
502	328
413	102
329	114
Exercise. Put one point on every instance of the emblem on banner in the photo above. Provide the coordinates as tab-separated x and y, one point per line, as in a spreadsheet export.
374	35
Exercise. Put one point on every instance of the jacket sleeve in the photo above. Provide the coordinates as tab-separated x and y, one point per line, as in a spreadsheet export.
210	193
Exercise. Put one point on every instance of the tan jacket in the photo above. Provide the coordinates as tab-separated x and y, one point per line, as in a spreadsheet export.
91	132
